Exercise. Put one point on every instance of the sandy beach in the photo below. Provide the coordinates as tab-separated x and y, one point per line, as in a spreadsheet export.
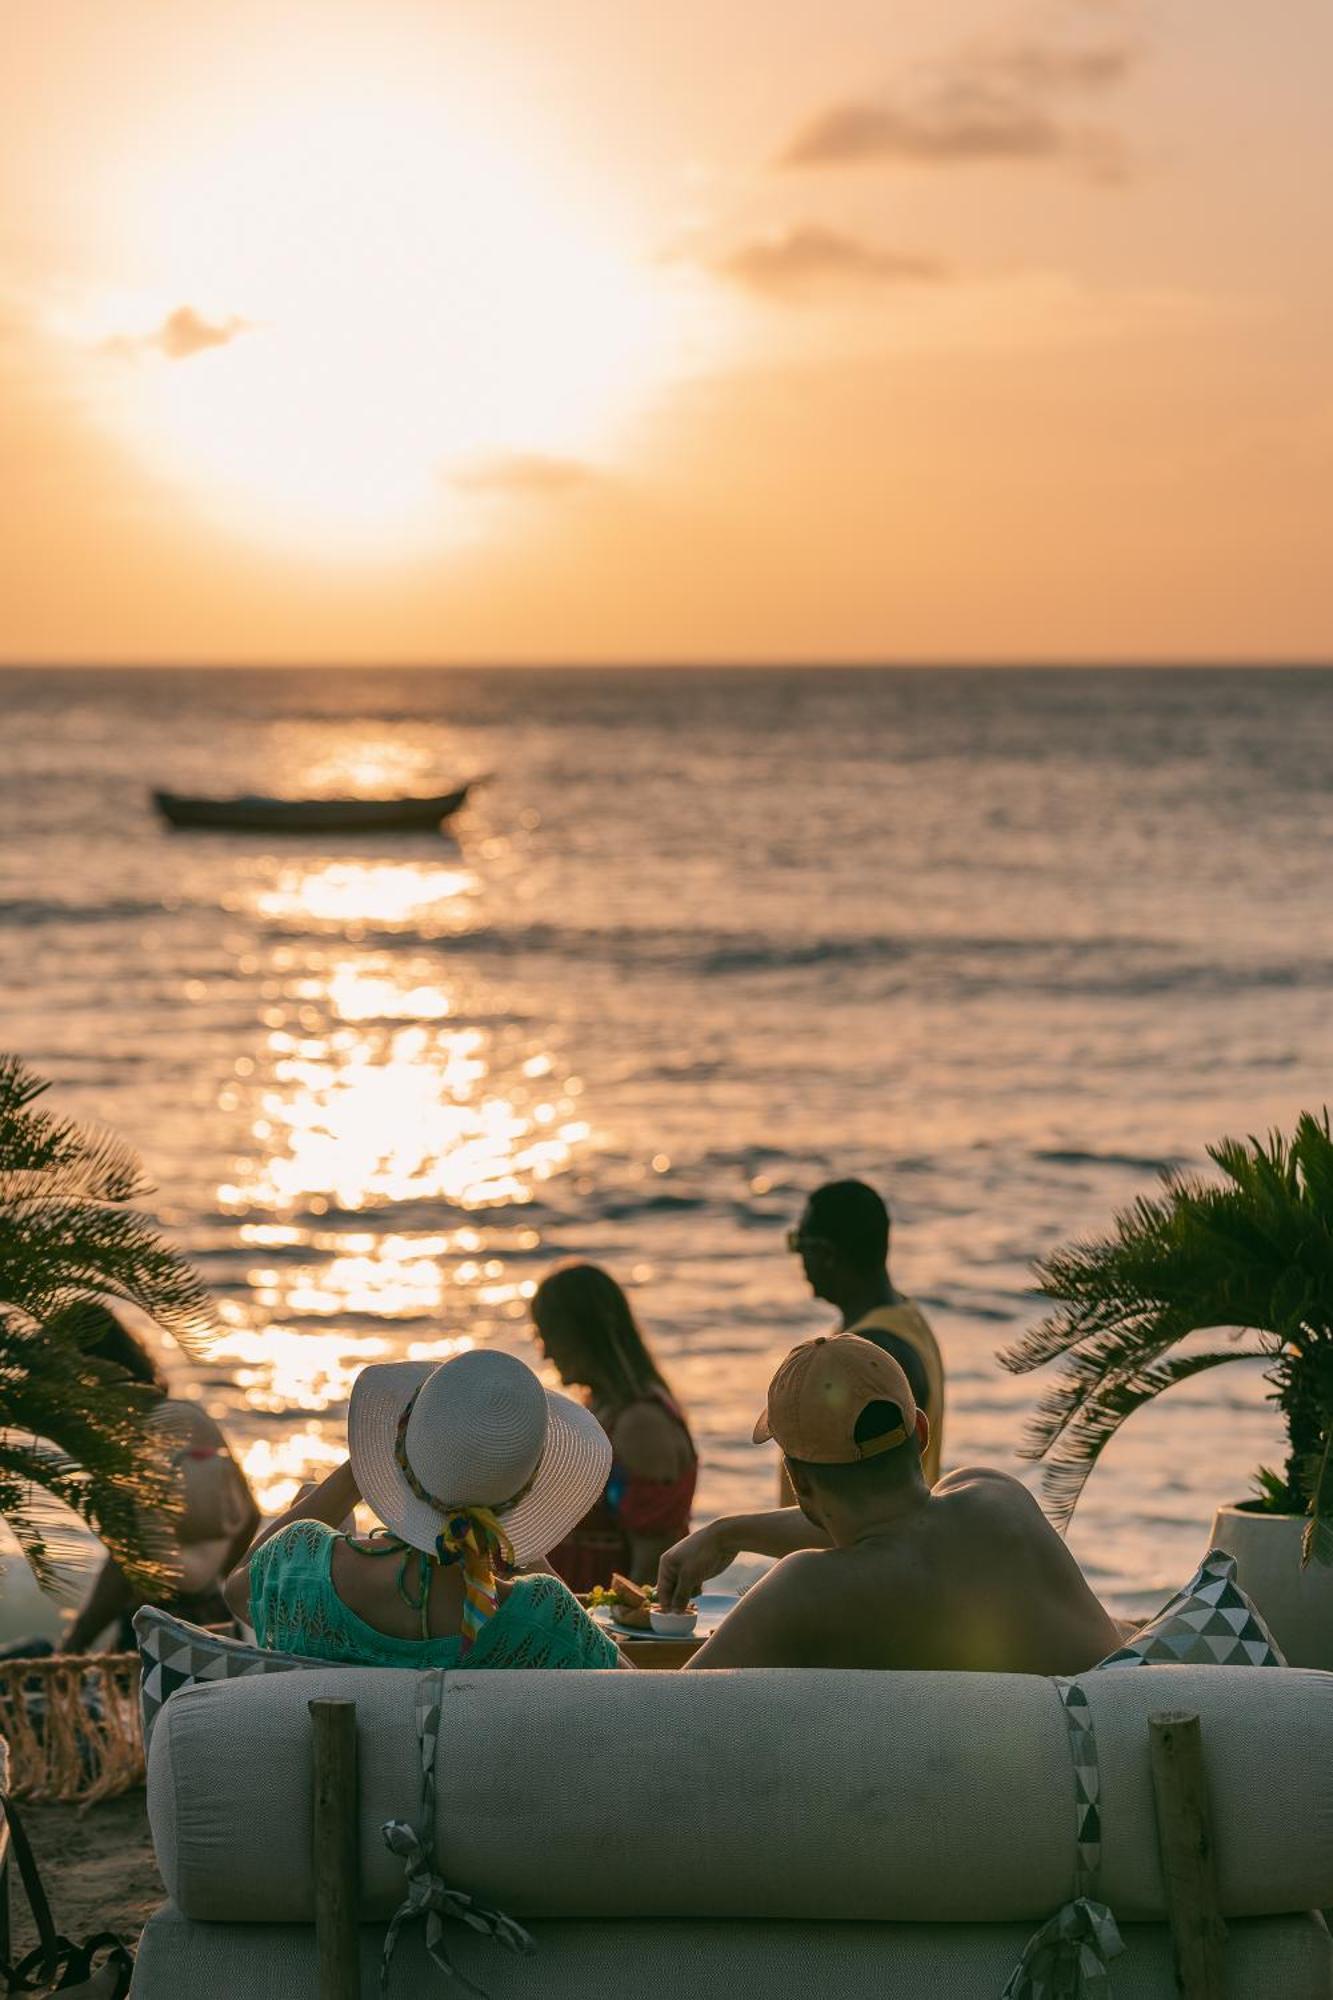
98	1867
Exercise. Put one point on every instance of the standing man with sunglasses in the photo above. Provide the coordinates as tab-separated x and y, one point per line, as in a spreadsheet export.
842	1240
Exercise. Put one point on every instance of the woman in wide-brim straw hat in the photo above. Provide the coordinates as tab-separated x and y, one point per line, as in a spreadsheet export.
474	1471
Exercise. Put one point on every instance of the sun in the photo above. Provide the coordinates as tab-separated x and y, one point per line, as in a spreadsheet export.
374	317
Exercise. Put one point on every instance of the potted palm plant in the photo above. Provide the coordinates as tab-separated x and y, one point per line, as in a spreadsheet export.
75	1429
1248	1258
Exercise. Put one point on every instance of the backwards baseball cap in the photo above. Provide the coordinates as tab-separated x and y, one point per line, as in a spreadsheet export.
821	1390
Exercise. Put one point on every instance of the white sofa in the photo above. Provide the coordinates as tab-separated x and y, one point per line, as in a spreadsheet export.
802	1833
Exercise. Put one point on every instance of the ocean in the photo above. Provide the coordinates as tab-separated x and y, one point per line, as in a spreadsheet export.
1006	943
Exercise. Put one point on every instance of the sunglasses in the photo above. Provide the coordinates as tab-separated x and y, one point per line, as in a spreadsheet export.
798	1240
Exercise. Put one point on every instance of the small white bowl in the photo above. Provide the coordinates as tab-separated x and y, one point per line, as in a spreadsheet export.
673	1624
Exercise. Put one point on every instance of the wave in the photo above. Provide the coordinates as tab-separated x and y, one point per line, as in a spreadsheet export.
1125	967
1111	966
1138	1163
29	912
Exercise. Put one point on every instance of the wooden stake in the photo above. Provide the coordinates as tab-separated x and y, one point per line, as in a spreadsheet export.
1189	1862
337	1940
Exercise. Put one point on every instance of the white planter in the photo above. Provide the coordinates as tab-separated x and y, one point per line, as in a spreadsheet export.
1296	1603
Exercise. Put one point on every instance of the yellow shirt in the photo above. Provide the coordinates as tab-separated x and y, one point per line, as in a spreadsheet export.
907	1322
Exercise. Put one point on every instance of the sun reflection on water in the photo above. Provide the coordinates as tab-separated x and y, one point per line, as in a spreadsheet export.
283	1368
381	892
357	995
387	1145
394	1115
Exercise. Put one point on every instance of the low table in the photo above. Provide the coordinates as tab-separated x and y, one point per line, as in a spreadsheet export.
664	1654
644	1649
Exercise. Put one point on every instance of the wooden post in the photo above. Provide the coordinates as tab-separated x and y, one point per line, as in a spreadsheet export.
337	1940
1189	1862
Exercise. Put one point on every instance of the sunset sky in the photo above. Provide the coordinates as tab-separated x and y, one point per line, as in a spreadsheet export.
418	330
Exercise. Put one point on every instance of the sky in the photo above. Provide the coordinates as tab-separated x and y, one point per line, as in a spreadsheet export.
736	330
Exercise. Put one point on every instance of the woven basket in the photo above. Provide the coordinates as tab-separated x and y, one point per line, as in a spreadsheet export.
72	1723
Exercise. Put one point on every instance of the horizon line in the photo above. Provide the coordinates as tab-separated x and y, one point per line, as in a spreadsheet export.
749	664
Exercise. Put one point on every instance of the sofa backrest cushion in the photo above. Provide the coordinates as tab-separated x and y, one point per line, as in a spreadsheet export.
760	1794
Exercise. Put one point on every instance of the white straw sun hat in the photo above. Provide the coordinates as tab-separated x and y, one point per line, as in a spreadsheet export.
482	1432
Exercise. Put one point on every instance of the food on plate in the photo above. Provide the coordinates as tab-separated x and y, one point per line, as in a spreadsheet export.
630	1604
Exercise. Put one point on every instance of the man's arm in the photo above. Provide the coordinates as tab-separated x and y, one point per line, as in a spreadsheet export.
769	1627
685	1568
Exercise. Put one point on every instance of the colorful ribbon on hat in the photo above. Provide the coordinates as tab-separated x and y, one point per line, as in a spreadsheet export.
472	1536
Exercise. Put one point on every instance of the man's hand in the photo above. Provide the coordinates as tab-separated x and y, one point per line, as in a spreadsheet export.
708	1551
687	1566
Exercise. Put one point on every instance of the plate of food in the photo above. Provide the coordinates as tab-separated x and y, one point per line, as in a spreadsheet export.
631	1611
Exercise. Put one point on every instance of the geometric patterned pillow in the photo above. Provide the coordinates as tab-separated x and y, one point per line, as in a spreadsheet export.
1211	1622
173	1654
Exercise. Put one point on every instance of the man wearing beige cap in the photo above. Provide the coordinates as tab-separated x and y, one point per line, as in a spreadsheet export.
968	1575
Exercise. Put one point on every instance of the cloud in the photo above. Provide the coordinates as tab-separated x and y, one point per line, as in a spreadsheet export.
996	101
807	258
525	473
186	332
183	333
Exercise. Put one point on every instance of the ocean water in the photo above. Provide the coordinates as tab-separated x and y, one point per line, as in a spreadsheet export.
1005	943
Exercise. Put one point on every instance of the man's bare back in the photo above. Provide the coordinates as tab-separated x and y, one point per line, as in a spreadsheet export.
879	1569
972	1578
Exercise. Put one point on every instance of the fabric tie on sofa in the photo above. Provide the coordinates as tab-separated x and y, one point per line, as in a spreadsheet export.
428	1894
1069	1957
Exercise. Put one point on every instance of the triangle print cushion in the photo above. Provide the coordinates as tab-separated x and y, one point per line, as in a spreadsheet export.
1211	1622
173	1654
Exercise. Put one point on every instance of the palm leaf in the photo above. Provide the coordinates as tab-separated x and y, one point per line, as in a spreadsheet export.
1070	1465
1250	1253
1317	1541
76	1435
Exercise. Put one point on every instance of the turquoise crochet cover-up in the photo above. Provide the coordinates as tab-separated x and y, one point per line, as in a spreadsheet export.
294	1608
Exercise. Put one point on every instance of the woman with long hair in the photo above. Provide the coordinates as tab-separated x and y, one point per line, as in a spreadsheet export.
585	1326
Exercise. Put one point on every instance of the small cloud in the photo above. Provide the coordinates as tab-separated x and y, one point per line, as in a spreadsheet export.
525	472
186	332
1051	67
183	333
807	257
992	102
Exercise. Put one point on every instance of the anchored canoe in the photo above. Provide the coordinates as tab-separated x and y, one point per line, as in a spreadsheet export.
265	815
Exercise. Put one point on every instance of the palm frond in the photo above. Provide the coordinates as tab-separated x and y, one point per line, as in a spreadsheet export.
1250	1253
1092	1372
75	1431
1070	1465
1317	1541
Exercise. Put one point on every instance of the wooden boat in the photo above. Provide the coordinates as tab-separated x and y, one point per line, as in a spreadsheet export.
268	815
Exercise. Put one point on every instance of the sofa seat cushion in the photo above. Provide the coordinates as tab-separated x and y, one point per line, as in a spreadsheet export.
1290	1956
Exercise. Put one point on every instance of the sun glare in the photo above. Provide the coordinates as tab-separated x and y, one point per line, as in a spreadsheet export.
373	317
